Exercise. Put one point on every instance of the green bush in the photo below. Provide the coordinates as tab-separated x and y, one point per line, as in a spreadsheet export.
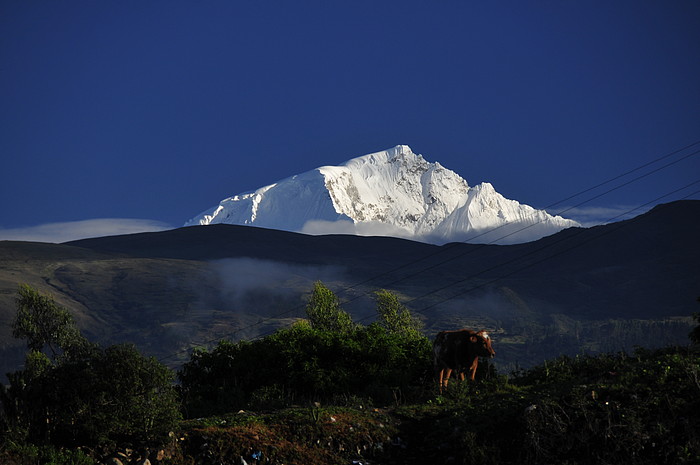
325	357
642	408
394	316
324	312
45	325
113	396
305	363
84	395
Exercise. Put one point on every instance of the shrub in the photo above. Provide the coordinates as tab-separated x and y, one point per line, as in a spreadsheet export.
305	363
112	396
394	316
84	395
324	312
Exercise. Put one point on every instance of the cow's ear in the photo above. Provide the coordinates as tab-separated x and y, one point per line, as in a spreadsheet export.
473	339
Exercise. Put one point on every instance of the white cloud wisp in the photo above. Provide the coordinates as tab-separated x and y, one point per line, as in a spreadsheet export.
74	230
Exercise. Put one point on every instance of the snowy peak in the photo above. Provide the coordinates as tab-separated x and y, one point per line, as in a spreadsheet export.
401	154
395	187
393	192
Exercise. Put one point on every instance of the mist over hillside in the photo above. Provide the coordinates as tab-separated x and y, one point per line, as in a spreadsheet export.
604	288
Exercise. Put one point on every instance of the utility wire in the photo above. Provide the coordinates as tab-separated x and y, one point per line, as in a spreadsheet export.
479	246
449	246
610	230
521	257
615	178
473	250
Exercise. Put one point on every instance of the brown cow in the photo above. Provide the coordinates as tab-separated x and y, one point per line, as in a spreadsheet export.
459	350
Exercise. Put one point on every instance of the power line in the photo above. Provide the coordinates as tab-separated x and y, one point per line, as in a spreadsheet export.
631	181
521	257
547	246
450	246
627	173
422	270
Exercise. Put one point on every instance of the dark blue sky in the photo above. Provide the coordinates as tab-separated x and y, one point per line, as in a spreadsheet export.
156	110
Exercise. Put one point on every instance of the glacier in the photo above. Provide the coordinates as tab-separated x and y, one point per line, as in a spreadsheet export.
393	192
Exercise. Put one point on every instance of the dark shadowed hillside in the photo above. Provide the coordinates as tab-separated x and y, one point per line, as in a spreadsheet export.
605	288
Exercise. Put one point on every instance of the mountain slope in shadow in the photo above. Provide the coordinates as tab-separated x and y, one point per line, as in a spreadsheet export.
603	288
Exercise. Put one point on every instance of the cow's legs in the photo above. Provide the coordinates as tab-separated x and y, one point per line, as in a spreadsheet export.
472	369
445	374
448	373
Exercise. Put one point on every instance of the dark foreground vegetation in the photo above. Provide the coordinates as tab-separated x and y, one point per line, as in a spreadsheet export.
328	391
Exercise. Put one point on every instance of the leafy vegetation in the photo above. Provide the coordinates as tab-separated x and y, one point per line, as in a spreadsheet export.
324	312
303	364
46	325
642	408
312	394
84	395
394	316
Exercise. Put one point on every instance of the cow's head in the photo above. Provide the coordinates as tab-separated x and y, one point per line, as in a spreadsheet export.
483	344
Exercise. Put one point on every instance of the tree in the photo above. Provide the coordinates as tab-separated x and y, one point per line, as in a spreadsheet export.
218	380
83	395
394	316
45	324
303	363
324	312
115	395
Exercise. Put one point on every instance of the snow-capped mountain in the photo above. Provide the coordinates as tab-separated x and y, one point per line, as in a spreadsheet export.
394	192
